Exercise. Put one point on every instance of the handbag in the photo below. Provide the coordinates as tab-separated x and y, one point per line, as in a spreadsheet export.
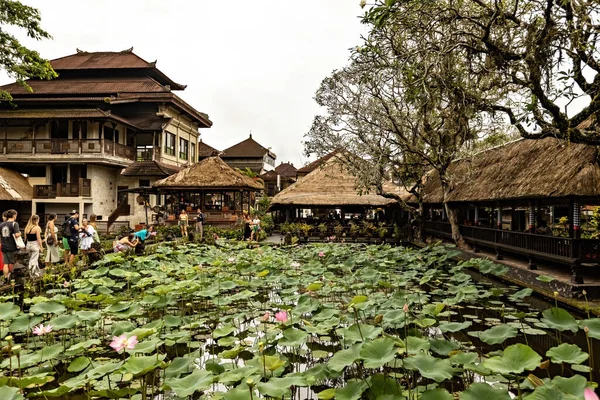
50	241
19	242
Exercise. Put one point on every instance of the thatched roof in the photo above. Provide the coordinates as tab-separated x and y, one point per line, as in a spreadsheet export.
150	168
14	186
211	173
330	185
524	168
308	168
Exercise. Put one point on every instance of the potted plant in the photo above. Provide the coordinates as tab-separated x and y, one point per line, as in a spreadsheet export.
338	230
304	230
322	228
354	230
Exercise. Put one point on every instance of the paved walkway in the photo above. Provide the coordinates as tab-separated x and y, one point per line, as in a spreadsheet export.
275	238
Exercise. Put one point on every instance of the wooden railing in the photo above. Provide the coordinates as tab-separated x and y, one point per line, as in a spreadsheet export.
585	250
83	188
66	146
123	209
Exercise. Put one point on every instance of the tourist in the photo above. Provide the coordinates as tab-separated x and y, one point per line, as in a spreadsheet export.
51	241
247	228
200	222
142	236
92	223
86	236
65	243
9	230
255	229
183	222
124	244
1	257
33	235
73	238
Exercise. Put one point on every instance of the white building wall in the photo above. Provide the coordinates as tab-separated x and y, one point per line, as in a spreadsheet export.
104	189
137	213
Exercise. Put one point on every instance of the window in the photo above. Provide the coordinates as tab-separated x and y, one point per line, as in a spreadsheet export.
79	127
170	144
183	149
193	153
144	182
111	134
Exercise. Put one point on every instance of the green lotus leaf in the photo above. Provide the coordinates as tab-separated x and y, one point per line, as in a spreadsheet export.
359	333
239	393
545	278
88	316
172	321
514	360
454	326
272	363
48	307
430	367
237	374
581	368
498	334
81	346
352	391
433	309
293	337
30	381
573	386
147	346
414	345
140	365
378	352
63	322
280	387
383	387
79	364
10	393
567	353
437	394
225	330
550	392
521	294
123	393
326	394
424	322
443	347
196	381
479	391
344	358
358	299
8	311
462	358
593	326
29	359
24	323
121	327
559	319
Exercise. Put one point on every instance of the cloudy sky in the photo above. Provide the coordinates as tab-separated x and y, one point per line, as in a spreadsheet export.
250	65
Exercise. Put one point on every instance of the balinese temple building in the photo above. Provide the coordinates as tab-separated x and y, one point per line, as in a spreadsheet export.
525	198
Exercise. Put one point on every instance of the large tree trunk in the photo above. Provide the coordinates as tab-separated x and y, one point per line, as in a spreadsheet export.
453	219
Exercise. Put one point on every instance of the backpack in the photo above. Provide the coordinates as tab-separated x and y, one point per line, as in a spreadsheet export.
65	228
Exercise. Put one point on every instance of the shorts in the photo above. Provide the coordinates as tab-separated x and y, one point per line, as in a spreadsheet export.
65	243
9	257
73	246
183	223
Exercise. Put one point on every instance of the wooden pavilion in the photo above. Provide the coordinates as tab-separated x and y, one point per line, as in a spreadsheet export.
222	192
327	188
525	197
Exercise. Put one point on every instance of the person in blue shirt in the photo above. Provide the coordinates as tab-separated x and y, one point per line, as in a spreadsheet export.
142	236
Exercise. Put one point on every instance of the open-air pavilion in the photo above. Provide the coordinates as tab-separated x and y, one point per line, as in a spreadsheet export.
525	197
220	191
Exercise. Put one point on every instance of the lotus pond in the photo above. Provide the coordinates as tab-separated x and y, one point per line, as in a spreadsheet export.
324	321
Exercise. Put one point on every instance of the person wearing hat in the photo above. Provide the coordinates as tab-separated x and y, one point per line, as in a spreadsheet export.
73	238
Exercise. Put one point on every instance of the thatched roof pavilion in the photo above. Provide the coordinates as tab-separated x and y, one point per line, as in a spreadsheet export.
330	185
523	169
209	174
14	186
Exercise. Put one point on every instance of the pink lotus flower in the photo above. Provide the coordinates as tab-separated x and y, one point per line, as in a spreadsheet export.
321	254
66	284
405	308
42	330
281	316
120	343
266	317
589	394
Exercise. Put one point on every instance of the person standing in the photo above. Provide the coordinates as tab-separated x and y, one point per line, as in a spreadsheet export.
51	241
92	223
183	223
73	238
33	234
1	257
9	230
200	223
247	228
255	229
86	237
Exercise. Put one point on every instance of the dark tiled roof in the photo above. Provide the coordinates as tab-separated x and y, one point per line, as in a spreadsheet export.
269	176
204	150
87	86
150	168
248	148
286	170
317	163
53	113
101	60
148	121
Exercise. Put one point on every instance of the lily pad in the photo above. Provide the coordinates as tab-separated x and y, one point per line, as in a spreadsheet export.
430	367
8	311
344	358
196	381
378	352
559	319
567	353
498	334
514	360
479	391
48	307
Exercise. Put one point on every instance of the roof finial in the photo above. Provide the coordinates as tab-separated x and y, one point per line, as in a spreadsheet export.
250	133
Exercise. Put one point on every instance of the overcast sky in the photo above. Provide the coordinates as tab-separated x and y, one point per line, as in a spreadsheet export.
250	65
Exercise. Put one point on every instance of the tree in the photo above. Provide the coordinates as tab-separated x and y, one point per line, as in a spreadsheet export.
540	57
17	60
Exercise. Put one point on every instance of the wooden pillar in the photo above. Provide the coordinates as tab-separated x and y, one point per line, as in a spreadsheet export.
79	137
531	217
33	138
101	132
154	146
513	222
499	216
576	219
476	218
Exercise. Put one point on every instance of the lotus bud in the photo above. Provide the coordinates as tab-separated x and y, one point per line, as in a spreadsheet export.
378	319
405	308
555	294
8	339
584	292
250	382
16	349
545	364
188	304
586	329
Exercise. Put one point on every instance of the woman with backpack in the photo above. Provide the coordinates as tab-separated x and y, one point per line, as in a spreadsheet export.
51	241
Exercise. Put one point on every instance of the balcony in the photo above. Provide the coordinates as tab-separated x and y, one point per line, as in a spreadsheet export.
59	147
83	188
